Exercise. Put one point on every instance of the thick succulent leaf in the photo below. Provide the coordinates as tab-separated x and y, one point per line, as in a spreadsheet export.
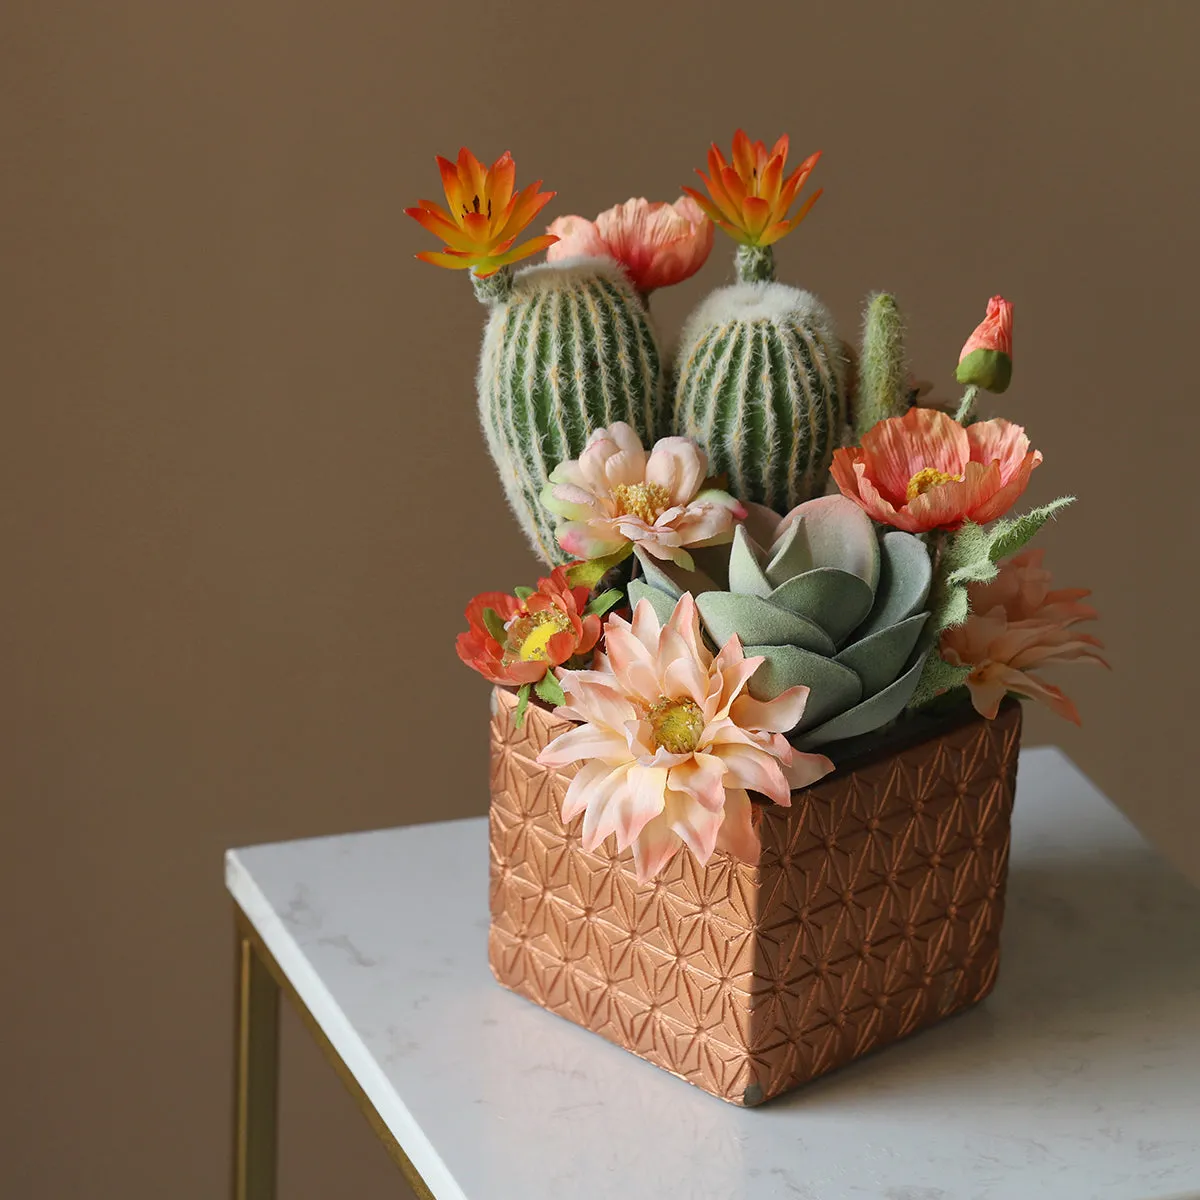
879	658
761	523
713	562
791	555
757	621
905	575
662	604
835	600
746	574
871	714
671	578
833	688
839	534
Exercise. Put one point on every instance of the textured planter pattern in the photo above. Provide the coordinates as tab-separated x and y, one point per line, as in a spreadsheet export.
874	912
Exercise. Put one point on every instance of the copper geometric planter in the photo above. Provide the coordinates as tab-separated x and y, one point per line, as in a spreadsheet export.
875	910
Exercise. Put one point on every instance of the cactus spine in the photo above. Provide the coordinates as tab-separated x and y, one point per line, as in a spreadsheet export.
761	387
568	349
883	379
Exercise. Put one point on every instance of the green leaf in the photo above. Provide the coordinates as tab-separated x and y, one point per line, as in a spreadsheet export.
495	626
937	678
591	572
549	689
523	593
602	603
522	704
1009	536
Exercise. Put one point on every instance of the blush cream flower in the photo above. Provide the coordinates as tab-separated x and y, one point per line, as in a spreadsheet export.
1016	624
924	471
671	743
616	496
657	243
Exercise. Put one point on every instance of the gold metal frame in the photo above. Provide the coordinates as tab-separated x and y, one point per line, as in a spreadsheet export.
256	1071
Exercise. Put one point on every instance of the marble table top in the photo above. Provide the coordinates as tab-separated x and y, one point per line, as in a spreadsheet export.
1077	1079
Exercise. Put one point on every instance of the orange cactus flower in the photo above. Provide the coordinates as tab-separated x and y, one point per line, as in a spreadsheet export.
750	198
483	217
516	641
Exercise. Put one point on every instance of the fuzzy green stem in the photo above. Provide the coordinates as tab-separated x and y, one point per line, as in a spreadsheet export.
755	264
495	288
966	406
883	378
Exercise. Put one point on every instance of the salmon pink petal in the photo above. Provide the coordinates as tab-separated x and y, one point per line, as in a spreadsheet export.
701	776
998	441
583	742
754	770
577	238
696	826
897	449
806	769
987	690
947	505
579	540
679	465
592	784
737	835
655	846
780	715
1006	496
633	665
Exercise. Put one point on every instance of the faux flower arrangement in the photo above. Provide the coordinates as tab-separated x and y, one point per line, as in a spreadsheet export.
753	561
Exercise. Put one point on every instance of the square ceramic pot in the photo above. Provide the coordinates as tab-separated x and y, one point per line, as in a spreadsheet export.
874	912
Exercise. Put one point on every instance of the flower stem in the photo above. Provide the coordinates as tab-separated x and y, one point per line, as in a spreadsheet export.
495	288
966	406
755	264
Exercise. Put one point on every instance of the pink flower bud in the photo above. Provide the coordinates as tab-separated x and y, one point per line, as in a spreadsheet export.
986	358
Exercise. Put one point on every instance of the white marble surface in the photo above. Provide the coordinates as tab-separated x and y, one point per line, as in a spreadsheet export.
1078	1079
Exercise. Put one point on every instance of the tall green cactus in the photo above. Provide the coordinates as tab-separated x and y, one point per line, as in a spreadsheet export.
761	387
568	349
883	379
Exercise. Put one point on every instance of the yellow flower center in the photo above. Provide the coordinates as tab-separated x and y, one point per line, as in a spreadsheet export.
676	725
645	500
529	635
927	478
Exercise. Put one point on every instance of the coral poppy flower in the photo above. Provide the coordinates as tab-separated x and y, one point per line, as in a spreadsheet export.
925	471
671	743
1017	623
483	217
986	358
522	639
750	198
657	243
616	495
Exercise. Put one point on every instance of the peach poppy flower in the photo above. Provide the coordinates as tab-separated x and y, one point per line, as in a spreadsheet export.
671	743
925	471
615	495
1018	623
515	641
657	243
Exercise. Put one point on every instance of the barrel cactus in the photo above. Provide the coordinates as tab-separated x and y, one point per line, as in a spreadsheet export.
568	349
828	602
761	386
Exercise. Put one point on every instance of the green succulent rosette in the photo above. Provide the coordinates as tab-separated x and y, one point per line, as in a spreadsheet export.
828	601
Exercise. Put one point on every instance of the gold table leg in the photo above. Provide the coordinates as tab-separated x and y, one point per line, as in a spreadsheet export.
256	1075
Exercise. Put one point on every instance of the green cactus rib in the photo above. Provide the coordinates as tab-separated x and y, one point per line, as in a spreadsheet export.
761	388
569	352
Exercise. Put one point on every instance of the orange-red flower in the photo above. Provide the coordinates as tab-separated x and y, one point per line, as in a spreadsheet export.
750	198
483	217
516	641
986	357
925	471
1017	623
657	243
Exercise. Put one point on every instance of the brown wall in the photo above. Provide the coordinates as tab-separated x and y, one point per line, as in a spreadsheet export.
246	497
